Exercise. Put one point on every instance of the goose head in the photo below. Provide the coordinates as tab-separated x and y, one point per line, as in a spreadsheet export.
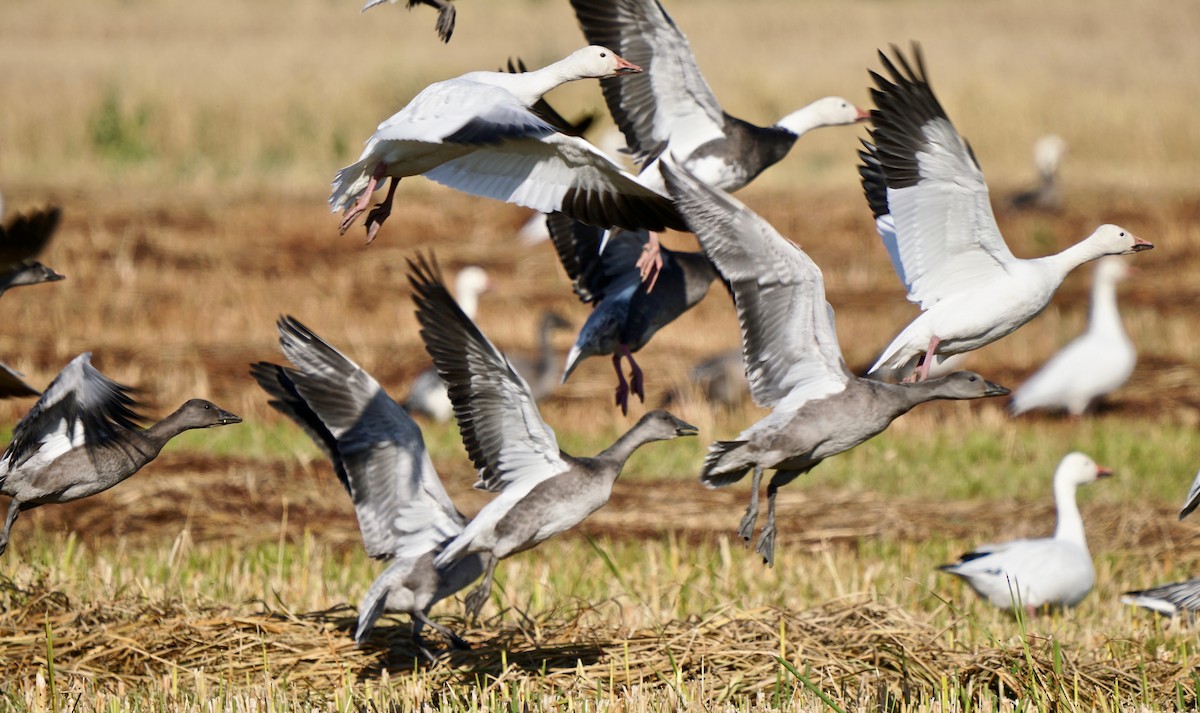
836	111
33	273
659	425
1048	152
553	321
198	413
596	62
1115	240
1078	469
965	385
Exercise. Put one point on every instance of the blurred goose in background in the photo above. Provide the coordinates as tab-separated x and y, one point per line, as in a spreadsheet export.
541	369
427	392
445	8
544	491
625	315
671	108
477	134
1055	571
21	240
1048	152
80	438
792	359
1096	363
379	456
1178	597
932	211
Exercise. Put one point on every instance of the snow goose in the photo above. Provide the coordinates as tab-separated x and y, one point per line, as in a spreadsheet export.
21	240
80	439
792	359
379	456
427	392
12	383
1048	152
1097	362
1055	571
544	490
671	108
476	133
445	8
1178	597
625	314
931	208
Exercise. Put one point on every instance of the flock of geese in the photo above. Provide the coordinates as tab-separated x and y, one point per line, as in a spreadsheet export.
491	134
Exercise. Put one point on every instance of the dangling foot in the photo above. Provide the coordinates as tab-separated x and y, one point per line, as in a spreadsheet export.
766	545
650	263
746	528
352	212
380	212
635	375
473	603
622	393
922	370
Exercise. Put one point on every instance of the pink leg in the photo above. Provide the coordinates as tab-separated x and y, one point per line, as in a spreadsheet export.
381	211
364	200
927	361
650	263
635	375
622	387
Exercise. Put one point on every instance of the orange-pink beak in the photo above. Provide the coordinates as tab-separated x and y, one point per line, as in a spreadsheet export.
1102	472
624	66
862	115
1139	244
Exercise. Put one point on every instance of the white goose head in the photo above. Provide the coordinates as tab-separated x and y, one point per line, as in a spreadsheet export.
1114	240
596	62
1077	469
836	111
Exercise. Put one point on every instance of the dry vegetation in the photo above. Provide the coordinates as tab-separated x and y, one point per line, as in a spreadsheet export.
191	146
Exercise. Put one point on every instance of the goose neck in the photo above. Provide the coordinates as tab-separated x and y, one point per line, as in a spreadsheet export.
1068	522
619	452
801	121
1104	315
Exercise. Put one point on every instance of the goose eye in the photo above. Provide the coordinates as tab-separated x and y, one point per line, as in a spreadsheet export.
603	54
972	378
1122	233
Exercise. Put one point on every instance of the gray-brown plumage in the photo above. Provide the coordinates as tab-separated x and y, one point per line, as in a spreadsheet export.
23	239
81	438
793	362
378	454
545	491
13	385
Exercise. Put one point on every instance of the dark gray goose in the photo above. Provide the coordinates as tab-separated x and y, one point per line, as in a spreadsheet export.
13	385
379	456
544	490
80	439
445	8
671	108
625	314
792	359
1178	597
21	240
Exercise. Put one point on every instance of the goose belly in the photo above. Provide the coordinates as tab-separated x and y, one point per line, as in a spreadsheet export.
981	318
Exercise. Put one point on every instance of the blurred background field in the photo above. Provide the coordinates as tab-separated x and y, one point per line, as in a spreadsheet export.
191	146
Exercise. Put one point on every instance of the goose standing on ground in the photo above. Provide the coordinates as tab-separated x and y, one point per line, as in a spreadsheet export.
445	8
1097	362
1178	597
544	490
792	359
21	240
1048	152
932	210
476	133
427	392
379	455
671	109
1055	571
80	439
625	314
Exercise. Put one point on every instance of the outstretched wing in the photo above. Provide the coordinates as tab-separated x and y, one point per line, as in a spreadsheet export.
789	342
942	237
501	427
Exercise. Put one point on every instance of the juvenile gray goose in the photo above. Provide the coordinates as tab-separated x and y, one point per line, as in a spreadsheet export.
21	241
545	491
80	439
792	358
625	312
379	456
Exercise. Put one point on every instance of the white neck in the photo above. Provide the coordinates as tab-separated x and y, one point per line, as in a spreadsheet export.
1064	262
469	302
1068	523
801	121
533	84
1104	315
